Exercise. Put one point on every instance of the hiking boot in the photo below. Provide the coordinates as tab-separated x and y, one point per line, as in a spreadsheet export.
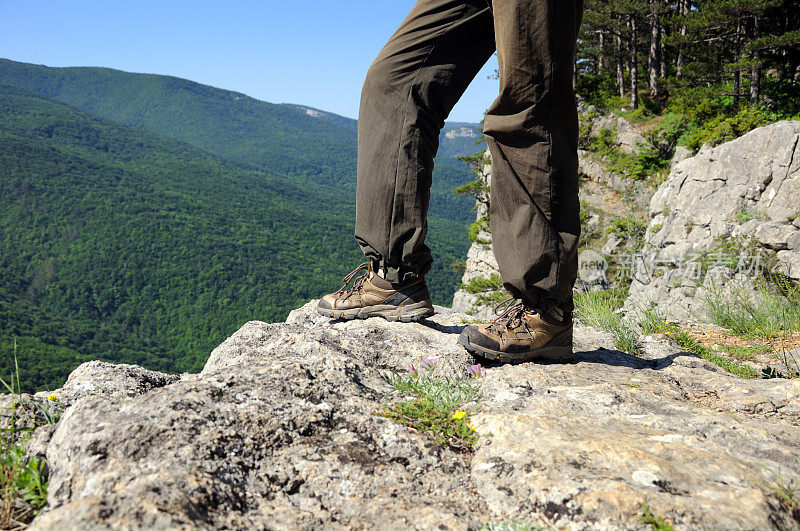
519	334
373	296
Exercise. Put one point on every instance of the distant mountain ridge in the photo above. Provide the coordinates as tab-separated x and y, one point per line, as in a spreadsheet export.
317	147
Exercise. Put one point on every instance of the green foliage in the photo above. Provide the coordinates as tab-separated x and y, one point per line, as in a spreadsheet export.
434	408
687	342
600	90
121	245
724	127
769	312
728	67
588	235
449	393
458	266
480	225
21	478
492	298
585	120
477	161
630	228
651	321
429	416
746	215
654	155
27	477
602	309
656	522
604	142
787	492
480	284
489	291
475	187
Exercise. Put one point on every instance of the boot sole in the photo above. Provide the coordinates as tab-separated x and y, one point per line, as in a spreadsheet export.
547	352
405	314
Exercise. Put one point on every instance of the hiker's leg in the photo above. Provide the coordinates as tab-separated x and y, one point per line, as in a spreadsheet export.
532	132
409	91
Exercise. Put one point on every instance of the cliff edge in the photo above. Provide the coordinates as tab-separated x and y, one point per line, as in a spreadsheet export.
279	431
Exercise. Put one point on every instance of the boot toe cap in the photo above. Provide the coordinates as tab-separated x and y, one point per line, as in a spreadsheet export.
474	335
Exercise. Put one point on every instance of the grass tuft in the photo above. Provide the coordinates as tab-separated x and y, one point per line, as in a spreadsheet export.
787	493
602	309
656	522
436	405
690	344
23	480
772	310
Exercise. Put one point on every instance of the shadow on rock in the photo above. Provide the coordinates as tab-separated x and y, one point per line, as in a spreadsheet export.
618	358
615	358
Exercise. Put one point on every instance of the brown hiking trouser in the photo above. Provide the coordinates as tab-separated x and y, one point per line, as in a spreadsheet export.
531	130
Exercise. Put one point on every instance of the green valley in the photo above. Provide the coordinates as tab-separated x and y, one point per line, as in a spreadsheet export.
121	244
304	144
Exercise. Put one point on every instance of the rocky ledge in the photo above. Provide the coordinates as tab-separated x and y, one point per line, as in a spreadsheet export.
278	432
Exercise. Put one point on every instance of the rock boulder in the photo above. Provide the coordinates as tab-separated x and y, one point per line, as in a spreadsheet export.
730	206
278	431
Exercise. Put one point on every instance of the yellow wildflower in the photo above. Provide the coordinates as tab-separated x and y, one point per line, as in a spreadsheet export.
52	397
458	415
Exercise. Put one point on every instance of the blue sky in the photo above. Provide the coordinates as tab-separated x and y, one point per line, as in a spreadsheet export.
313	52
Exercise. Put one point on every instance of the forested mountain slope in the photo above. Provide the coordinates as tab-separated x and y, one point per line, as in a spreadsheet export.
120	244
302	143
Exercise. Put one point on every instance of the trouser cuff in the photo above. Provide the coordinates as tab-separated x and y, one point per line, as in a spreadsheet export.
398	275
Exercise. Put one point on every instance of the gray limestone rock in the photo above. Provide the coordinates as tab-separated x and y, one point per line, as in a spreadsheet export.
115	381
278	431
732	203
681	153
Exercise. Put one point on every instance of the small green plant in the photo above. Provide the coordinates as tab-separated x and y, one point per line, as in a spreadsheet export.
772	310
488	290
745	215
436	406
787	492
602	309
651	321
690	344
458	266
481	284
474	187
477	161
28	476
747	353
491	298
588	234
656	522
513	525
585	121
478	226
629	227
604	143
21	477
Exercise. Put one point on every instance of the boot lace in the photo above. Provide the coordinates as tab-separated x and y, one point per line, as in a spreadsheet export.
357	280
511	315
